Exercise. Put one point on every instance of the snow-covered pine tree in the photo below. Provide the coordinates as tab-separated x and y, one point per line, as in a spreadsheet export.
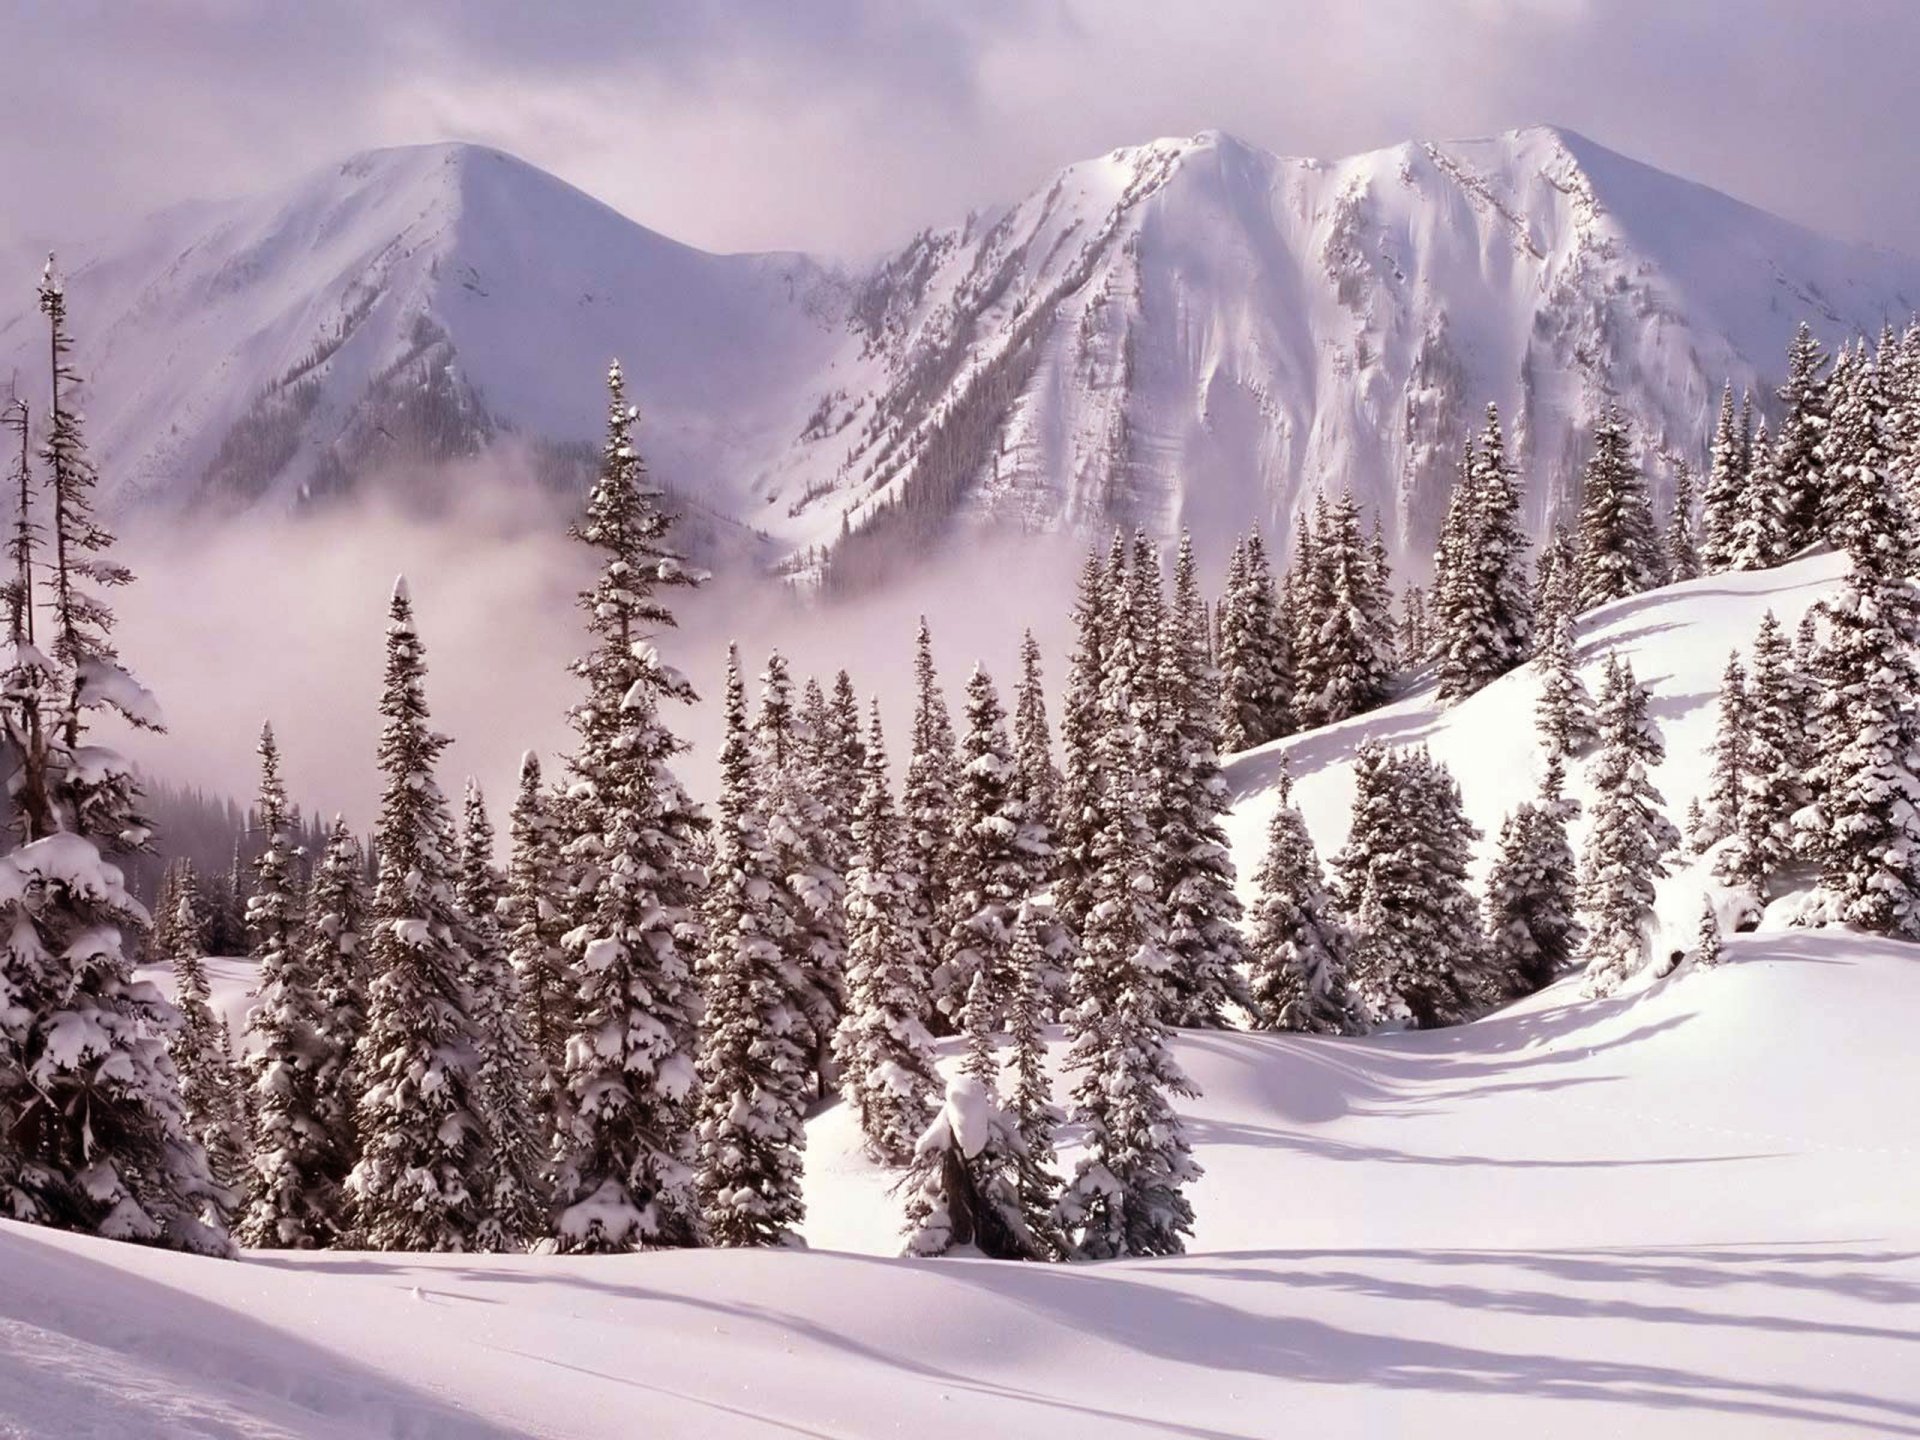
992	860
1760	533
840	755
1706	948
1036	777
1630	838
1556	584
1799	461
1619	547
623	1149
1352	658
1533	930
1726	780
1564	712
1081	727
1195	874
1683	551
1300	948
754	1060
1413	625
886	1055
1863	826
293	1199
534	926
1488	628
1256	667
1127	1194
1035	1115
1773	760
799	843
1453	554
335	945
503	1068
1725	496
199	1048
927	809
424	1172
1419	954
97	1137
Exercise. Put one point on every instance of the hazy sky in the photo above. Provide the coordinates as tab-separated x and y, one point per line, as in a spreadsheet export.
843	125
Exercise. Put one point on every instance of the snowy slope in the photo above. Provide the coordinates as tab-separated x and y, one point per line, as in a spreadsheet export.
1683	1211
1670	1215
1196	332
1188	332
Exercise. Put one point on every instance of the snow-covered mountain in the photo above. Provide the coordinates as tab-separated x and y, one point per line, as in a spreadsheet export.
1190	332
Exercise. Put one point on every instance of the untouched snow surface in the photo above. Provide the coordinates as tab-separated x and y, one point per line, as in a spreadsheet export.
1686	1211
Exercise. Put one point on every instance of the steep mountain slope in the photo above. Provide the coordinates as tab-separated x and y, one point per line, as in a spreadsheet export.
1195	332
410	305
1189	332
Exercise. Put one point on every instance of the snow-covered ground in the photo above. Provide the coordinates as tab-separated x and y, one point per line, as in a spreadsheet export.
1685	1211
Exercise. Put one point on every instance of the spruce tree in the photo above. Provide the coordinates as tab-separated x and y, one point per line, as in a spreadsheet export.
1195	866
1564	712
293	1202
1127	1193
1772	759
335	945
1256	702
886	1057
1630	838
1453	555
1798	457
1863	826
1619	549
1419	955
1487	626
1706	949
1035	1115
623	1150
503	1070
1533	931
1760	536
927	809
1725	496
1300	948
534	925
1350	663
754	1061
1556	584
1082	781
426	1158
97	1137
198	1047
1683	553
1726	780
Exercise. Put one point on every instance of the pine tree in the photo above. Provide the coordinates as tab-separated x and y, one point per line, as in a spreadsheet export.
1256	703
503	1068
1532	929
1760	535
1726	782
1772	759
993	855
886	1058
1453	554
1863	826
798	842
1630	839
623	1149
1419	954
534	925
335	946
1798	458
293	1201
754	1065
1706	949
1349	663
425	1159
1195	873
1035	1116
1413	625
1556	586
1082	781
927	808
1487	625
1725	496
198	1048
1683	555
1127	1194
1300	948
1564	711
1619	550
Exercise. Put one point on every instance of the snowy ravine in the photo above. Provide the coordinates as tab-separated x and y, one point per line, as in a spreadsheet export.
1683	1211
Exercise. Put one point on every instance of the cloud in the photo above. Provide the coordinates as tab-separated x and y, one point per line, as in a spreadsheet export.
845	124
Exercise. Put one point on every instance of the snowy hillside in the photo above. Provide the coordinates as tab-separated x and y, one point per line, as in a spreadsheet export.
1189	332
1668	1215
1677	1212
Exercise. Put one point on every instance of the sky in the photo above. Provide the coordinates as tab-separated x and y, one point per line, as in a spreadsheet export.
842	126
